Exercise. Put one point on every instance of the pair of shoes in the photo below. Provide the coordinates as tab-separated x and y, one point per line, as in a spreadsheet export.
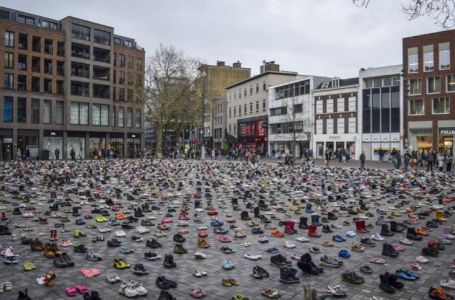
389	283
94	295
6	286
28	266
271	293
228	282
132	289
72	291
328	261
352	277
199	274
228	265
139	269
288	275
198	292
407	275
121	264
439	293
63	261
92	256
259	272
23	295
113	278
169	261
151	256
164	283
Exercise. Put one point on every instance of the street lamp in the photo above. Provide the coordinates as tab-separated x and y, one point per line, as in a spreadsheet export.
134	145
203	74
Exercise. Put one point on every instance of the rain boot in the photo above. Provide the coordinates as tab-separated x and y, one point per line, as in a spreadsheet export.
315	220
303	223
312	231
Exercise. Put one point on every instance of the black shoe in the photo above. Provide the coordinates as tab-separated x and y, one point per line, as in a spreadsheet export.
288	275
165	295
387	250
23	295
366	269
169	261
412	235
178	238
397	227
164	283
153	244
151	256
367	242
139	269
393	281
427	251
385	285
385	230
279	260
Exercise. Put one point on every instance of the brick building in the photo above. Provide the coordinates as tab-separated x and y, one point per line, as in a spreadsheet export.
68	84
429	73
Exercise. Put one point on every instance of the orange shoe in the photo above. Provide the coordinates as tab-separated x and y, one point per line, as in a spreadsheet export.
277	233
120	216
422	231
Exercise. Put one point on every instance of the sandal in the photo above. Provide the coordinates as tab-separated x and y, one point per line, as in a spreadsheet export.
271	293
198	292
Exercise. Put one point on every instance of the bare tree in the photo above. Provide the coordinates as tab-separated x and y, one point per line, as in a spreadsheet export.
169	93
296	123
442	11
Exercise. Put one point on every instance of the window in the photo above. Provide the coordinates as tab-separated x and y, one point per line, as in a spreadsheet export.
352	103
8	81
36	64
23	41
414	87
122	60
121	114
230	112
100	115
48	85
340	125
413	60
121	79
329	126
264	105
48	66
279	111
48	46
298	108
353	125
117	41
444	56
81	32
102	37
240	110
9	60
22	62
450	83
25	20
441	105
319	126
416	107
36	44
58	117
47	111
329	106
319	107
251	90
101	91
8	109
138	118
21	82
36	84
340	105
257	88
35	111
251	108
257	106
235	111
244	109
21	110
428	58
433	85
80	51
9	39
129	117
79	88
79	113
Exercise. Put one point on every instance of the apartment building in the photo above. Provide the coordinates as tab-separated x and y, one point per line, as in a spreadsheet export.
336	117
68	84
290	116
380	110
429	112
211	85
247	108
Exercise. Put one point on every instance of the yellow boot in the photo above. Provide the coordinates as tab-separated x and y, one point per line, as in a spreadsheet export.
440	216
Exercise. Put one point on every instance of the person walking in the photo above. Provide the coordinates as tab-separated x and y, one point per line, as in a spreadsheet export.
449	159
406	160
440	162
362	161
430	160
73	154
57	153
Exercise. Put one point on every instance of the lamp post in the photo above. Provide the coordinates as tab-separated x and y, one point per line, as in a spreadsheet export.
134	145
203	74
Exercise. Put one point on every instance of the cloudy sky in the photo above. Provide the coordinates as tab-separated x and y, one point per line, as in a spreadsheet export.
321	37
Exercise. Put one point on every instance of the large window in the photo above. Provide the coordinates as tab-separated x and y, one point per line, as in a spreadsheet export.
47	111
9	60
319	126
35	111
395	109
278	111
80	88
81	32
79	113
298	108
416	107
8	81
100	115
8	109
433	85
375	111
329	106
415	87
138	119
340	125
129	118
58	116
121	115
9	39
413	60
444	56
428	58
352	103
441	105
385	109
292	90
366	107
329	123
21	113
319	107
352	125
340	105
450	83
102	37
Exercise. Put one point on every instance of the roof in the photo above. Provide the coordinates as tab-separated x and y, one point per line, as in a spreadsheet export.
328	84
261	75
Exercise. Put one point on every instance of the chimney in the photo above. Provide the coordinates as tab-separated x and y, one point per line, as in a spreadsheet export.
237	64
269	66
220	63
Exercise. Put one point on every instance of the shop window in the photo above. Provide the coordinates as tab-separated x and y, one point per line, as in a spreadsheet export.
7	109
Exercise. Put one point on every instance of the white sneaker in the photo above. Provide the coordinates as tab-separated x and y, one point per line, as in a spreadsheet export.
104	229
120	233
142	229
405	241
449	283
421	259
302	239
199	255
252	256
377	237
289	245
247	244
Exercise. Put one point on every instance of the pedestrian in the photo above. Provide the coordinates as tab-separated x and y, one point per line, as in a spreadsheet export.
440	162
57	153
19	154
73	154
449	162
406	161
430	160
362	161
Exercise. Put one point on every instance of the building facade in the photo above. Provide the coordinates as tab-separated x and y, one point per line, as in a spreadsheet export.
336	118
290	116
429	73
380	111
219	122
68	84
247	108
211	85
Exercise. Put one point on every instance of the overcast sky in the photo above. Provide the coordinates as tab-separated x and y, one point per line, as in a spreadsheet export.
320	37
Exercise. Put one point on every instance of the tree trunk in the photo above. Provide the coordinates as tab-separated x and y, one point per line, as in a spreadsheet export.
159	141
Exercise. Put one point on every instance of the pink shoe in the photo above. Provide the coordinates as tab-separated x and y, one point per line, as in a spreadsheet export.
198	292
397	247
81	289
167	220
224	239
415	266
71	291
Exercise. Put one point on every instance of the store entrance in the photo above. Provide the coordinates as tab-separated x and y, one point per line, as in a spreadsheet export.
7	151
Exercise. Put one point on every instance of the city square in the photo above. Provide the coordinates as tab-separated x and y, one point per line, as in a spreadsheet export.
252	203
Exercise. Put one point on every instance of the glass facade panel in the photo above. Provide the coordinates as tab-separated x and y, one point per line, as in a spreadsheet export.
395	107
96	114
376	111
35	111
8	109
47	111
121	114
58	112
21	110
366	111
385	110
104	115
78	144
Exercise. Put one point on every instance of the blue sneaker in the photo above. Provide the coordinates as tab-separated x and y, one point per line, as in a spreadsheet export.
272	250
126	250
228	265
344	253
338	238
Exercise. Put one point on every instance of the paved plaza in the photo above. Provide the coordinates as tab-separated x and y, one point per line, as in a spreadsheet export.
285	193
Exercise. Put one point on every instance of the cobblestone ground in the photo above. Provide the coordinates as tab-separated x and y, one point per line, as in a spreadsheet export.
156	183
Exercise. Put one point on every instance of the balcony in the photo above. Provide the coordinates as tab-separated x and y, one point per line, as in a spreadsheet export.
80	51
79	88
101	55
80	70
101	91
101	73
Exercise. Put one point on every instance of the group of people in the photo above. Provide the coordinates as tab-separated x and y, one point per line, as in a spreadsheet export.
432	160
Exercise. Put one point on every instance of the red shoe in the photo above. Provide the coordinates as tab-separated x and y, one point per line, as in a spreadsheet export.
4	217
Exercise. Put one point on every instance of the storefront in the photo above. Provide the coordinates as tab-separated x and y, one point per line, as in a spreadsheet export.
28	142
116	143
134	145
76	141
6	144
252	135
52	140
421	139
445	141
373	145
97	142
337	142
